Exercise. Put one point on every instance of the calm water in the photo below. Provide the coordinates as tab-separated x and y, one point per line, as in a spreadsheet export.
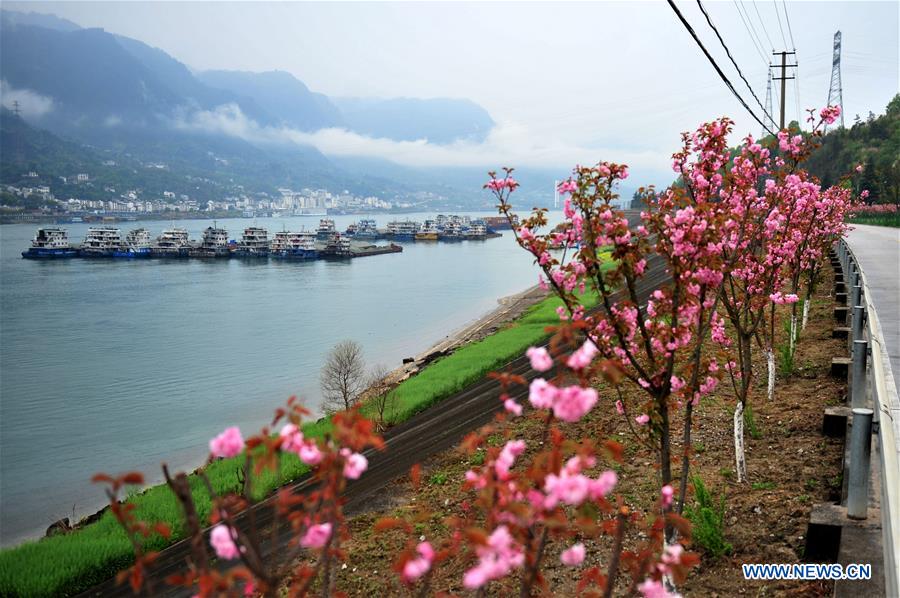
118	365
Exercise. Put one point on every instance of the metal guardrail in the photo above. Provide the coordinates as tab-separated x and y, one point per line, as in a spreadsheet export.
882	392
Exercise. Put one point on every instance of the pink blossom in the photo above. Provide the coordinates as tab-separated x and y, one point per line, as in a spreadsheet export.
859	168
420	565
540	359
513	407
666	495
316	536
567	487
567	187
583	356
541	393
573	556
310	453
229	443
642	419
354	464
507	457
654	589
292	438
221	538
603	485
573	402
496	559
620	408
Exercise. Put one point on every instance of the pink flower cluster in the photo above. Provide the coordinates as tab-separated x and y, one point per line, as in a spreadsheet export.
354	464
496	559
540	359
228	444
500	184
222	539
569	404
571	487
293	442
316	536
420	565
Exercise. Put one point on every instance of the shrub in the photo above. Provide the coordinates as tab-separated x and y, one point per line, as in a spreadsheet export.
707	519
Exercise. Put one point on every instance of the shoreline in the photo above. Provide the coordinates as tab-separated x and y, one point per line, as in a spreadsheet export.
509	309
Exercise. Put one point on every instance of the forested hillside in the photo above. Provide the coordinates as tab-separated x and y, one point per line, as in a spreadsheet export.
874	143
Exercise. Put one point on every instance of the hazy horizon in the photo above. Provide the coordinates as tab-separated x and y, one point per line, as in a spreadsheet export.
565	83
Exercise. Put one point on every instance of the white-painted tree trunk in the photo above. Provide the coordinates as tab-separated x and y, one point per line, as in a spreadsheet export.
793	332
805	314
770	361
739	460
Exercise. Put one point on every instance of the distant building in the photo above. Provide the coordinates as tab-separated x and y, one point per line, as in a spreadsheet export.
81	178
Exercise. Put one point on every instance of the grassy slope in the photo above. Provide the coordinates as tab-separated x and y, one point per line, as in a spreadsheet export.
877	219
64	565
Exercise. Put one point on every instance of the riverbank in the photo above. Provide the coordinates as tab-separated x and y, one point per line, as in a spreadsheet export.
792	466
96	551
189	347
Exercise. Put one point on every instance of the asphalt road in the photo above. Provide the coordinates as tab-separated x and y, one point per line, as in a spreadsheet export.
436	429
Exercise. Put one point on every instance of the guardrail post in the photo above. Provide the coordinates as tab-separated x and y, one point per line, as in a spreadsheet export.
858	379
860	454
855	293
856	324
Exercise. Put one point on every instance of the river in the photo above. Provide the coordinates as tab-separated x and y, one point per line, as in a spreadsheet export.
120	365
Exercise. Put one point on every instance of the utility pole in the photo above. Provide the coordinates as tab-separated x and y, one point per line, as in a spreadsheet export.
783	78
16	107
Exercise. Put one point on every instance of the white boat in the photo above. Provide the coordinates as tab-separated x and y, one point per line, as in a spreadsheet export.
254	243
101	241
172	242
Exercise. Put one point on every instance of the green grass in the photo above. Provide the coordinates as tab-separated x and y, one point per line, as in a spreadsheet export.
65	565
877	219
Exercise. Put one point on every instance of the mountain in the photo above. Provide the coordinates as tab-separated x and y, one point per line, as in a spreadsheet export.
281	95
874	143
438	120
130	101
10	17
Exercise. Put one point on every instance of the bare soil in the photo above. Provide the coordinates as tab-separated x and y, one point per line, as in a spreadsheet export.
791	467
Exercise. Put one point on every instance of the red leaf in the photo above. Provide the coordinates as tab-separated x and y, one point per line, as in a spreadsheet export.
134	477
101	477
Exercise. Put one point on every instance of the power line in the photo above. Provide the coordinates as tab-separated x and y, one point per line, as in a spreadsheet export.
780	28
788	19
753	37
762	24
731	58
716	66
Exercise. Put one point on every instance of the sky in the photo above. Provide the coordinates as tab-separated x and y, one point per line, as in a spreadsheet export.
566	83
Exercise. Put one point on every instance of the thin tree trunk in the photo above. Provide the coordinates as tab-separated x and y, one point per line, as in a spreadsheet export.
770	362
805	314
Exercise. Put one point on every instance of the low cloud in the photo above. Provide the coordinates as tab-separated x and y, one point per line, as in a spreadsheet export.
508	143
30	103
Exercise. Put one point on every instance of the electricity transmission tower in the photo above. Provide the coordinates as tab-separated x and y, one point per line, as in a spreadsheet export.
784	79
836	92
768	116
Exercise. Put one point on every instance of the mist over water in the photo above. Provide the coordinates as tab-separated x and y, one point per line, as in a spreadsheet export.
119	365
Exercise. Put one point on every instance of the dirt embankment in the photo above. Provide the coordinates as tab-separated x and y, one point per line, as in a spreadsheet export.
791	467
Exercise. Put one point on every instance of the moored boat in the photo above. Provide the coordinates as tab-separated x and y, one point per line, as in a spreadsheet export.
326	229
136	245
428	232
337	247
172	243
214	244
289	245
101	241
403	230
254	243
50	243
